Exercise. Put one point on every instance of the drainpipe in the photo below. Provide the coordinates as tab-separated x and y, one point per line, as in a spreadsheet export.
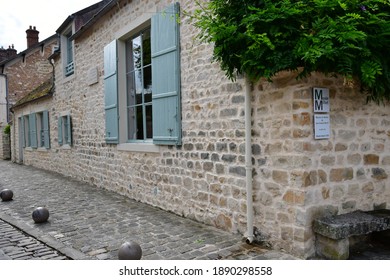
248	161
54	74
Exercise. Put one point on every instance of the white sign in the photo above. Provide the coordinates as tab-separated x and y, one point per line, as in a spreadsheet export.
92	77
321	100
321	126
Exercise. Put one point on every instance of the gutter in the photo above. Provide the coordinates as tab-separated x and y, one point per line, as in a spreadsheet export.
248	161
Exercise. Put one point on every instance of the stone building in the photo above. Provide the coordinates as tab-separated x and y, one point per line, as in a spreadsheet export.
139	108
20	73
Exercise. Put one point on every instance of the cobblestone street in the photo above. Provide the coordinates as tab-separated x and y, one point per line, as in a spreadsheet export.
17	245
90	223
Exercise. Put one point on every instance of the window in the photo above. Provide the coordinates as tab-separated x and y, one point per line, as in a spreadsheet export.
35	130
43	129
69	68
26	130
64	130
152	74
41	137
139	87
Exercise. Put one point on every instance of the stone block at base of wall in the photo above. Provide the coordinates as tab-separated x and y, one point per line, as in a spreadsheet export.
333	249
5	146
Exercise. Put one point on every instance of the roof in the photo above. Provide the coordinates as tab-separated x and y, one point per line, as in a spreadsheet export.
83	16
45	89
31	49
107	5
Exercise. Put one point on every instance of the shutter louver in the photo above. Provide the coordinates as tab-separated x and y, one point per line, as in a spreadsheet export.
33	130
46	132
166	77
111	93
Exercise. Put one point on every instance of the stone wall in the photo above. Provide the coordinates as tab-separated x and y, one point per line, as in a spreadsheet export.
27	72
299	178
295	177
5	144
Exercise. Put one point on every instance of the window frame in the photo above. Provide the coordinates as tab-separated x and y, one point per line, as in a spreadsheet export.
34	126
67	52
43	129
26	126
40	130
69	68
115	107
143	104
65	131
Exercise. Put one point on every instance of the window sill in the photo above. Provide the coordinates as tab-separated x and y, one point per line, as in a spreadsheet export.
65	147
43	149
139	147
68	78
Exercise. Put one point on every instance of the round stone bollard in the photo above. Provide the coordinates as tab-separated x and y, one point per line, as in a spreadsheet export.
40	215
130	251
6	195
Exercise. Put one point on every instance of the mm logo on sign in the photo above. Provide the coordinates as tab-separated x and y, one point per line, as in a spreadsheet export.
321	100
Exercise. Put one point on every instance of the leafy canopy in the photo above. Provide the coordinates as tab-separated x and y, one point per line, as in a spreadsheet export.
262	37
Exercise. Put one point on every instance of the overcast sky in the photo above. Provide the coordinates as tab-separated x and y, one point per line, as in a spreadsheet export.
16	16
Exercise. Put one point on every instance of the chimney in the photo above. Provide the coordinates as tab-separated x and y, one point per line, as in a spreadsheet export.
3	54
6	54
32	36
11	52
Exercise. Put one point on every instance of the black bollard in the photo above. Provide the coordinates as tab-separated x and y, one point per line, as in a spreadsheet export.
40	215
6	195
130	251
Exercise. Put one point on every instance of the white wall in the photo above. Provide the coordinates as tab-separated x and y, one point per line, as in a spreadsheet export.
3	100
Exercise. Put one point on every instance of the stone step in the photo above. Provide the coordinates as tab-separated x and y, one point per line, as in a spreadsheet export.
354	223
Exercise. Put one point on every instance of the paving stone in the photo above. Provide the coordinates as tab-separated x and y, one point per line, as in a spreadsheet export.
91	222
103	257
49	256
23	247
18	254
97	252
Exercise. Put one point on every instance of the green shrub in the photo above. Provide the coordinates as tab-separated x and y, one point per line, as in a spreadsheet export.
262	37
7	129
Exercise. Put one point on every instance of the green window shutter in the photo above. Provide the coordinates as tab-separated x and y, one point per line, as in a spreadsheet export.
166	77
27	131
33	130
69	132
21	132
60	142
46	131
111	92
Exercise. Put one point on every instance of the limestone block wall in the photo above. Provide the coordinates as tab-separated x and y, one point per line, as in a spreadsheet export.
296	178
28	155
299	178
5	144
203	179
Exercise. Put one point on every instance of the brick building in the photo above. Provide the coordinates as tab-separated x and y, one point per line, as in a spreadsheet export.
140	108
22	72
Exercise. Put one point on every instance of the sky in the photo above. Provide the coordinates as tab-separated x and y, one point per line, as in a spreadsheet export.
16	16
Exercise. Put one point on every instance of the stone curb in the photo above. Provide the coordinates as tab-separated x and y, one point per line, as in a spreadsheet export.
48	240
3	256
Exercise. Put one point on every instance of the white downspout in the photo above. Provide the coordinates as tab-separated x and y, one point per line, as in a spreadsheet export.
248	161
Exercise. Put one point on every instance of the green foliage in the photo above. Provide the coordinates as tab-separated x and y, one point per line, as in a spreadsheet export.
262	37
7	129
